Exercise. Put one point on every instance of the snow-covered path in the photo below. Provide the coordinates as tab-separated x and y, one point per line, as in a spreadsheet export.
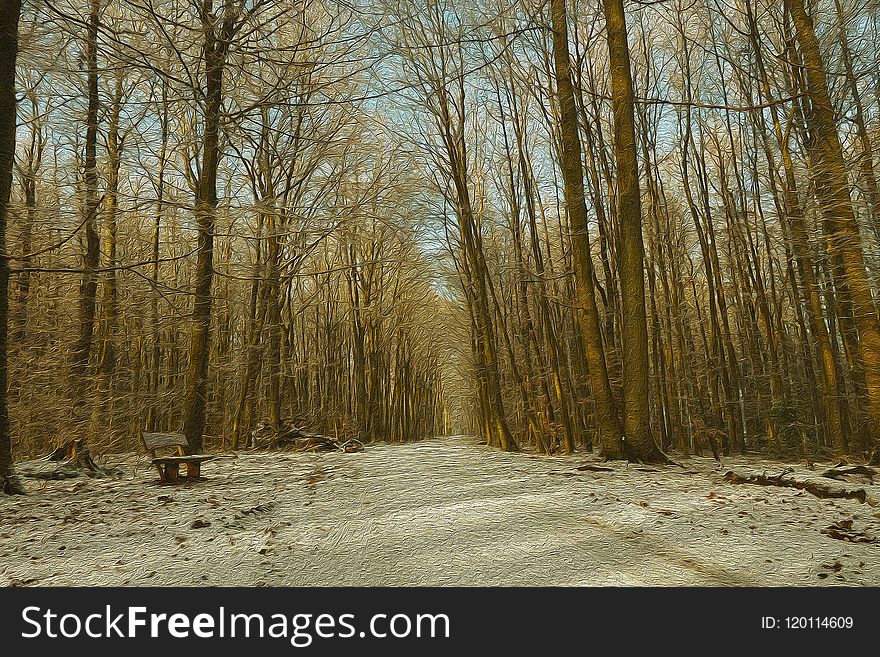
438	512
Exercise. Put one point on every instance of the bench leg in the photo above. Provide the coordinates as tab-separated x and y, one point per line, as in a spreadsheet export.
171	472
193	470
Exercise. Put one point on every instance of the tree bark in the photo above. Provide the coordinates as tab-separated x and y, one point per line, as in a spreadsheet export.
91	258
866	159
215	48
832	190
153	381
792	218
638	442
33	163
111	207
573	190
9	13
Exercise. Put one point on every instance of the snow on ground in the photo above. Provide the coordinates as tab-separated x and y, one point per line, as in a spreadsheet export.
437	512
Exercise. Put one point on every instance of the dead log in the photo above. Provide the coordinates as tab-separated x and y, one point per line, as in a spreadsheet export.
352	445
56	474
293	438
818	486
837	472
313	442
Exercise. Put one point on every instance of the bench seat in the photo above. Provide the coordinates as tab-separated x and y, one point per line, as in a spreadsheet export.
169	466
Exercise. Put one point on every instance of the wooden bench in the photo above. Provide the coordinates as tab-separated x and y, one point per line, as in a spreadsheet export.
169	466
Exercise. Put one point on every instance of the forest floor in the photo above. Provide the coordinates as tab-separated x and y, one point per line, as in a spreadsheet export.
438	512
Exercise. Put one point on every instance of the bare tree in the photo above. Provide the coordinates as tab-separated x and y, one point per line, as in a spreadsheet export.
9	14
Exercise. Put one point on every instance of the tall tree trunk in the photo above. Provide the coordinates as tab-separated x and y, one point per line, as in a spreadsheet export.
9	12
153	386
91	258
215	49
23	287
638	442
253	351
355	284
111	206
793	220
573	190
866	159
110	302
832	191
273	315
34	160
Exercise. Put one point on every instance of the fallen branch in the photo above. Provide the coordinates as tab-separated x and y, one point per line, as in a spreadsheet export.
818	486
295	439
352	445
837	472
